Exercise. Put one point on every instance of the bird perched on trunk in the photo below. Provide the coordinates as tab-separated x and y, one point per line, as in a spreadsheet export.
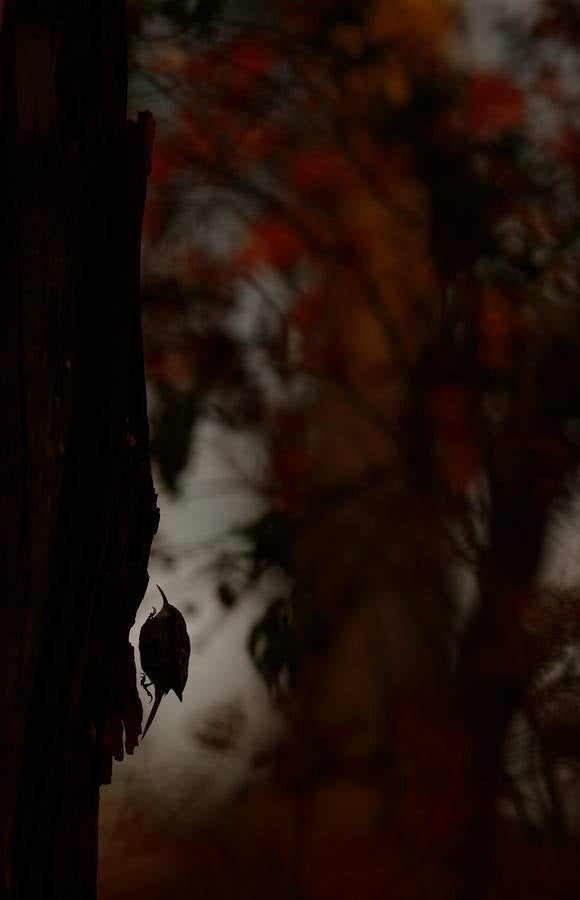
164	648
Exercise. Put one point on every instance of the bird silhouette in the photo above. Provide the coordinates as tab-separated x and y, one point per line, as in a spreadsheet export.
164	648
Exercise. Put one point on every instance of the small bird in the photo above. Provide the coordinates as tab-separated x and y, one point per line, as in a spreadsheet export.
164	648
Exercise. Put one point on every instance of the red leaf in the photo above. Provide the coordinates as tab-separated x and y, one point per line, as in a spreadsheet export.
316	170
163	164
493	107
274	243
252	54
154	217
566	147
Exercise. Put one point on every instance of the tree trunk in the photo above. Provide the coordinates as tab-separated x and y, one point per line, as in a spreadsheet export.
493	668
79	508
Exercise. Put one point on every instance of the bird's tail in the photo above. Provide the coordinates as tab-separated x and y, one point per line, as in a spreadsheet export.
154	708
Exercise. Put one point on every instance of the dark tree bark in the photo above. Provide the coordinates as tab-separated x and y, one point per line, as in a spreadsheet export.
78	506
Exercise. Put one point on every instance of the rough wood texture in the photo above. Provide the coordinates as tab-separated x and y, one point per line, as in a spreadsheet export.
78	506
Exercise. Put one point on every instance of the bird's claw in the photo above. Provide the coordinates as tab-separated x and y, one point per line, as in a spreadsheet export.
146	686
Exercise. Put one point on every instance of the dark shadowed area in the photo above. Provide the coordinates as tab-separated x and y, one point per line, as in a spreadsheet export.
359	332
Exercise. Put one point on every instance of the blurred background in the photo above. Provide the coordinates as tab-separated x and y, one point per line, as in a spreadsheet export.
360	296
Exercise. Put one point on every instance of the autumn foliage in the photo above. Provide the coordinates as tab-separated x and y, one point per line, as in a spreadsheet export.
404	235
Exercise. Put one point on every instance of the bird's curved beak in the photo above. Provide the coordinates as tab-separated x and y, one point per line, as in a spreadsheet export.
165	600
